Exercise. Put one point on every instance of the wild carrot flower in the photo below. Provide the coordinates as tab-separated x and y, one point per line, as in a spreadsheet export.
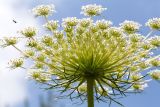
29	53
155	62
154	23
15	63
92	10
28	32
103	24
155	74
139	86
39	76
96	60
52	25
85	22
69	21
8	41
43	10
155	41
130	26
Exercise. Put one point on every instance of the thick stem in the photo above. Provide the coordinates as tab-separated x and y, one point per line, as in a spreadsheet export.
90	93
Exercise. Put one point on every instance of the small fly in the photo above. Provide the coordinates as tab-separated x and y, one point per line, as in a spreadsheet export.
14	21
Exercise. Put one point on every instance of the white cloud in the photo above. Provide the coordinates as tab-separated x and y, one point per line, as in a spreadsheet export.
12	83
12	88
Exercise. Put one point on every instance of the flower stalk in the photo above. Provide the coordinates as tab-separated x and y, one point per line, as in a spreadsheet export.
90	92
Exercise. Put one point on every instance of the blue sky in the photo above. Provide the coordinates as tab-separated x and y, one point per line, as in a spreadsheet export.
14	85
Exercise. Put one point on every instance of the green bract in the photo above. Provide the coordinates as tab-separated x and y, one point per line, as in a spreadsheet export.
94	59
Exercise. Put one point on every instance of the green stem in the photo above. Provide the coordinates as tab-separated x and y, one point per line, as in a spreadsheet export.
90	93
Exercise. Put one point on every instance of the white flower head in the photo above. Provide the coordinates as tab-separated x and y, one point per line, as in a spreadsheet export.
39	75
146	45
115	31
136	76
47	40
85	22
29	32
70	21
155	62
33	74
52	25
154	23
15	63
155	74
8	41
43	10
134	38
103	24
140	86
130	26
155	41
92	10
82	88
29	53
94	28
58	34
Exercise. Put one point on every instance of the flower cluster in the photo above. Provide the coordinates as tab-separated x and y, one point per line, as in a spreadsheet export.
139	86
43	10
29	32
92	10
92	58
69	21
154	23
130	26
155	74
155	41
52	25
39	76
15	63
8	41
115	31
103	24
85	22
